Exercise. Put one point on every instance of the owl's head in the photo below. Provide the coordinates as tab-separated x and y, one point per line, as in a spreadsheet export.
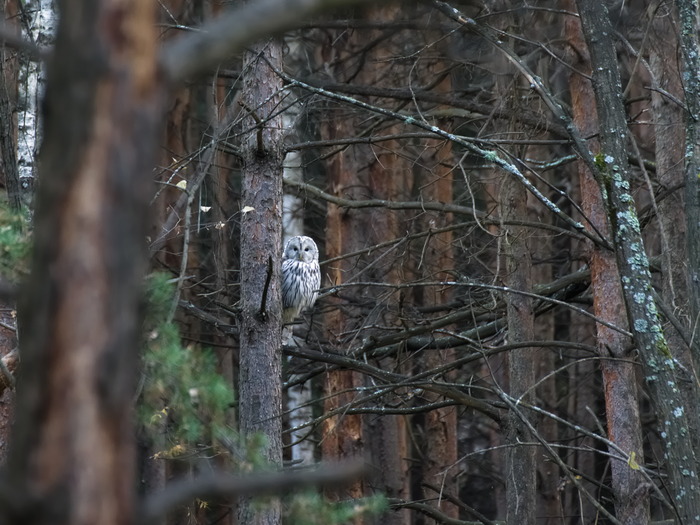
301	248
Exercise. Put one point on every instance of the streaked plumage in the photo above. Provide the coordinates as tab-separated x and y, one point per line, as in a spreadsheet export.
301	276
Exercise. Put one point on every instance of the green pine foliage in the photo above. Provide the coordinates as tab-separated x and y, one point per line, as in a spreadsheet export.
15	244
183	394
313	509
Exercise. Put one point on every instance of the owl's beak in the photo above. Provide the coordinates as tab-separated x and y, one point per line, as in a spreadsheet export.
301	256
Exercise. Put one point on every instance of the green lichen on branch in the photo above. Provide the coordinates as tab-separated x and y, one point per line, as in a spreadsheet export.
626	227
491	156
600	163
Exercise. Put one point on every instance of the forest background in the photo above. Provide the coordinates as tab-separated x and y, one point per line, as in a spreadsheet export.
505	197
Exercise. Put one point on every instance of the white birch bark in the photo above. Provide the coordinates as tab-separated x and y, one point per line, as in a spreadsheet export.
39	26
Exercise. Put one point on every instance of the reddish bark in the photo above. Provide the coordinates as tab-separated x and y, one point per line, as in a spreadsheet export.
520	467
622	406
669	133
341	434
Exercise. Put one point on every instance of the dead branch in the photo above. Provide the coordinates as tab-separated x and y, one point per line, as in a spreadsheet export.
222	485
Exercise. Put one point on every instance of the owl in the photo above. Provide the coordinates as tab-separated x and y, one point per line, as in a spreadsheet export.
301	277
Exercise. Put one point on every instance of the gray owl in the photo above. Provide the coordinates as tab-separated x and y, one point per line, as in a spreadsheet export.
301	277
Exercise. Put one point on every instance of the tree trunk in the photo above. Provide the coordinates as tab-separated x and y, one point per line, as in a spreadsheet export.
40	19
9	62
436	263
80	309
260	378
619	379
299	395
520	466
365	171
521	480
669	134
663	373
688	13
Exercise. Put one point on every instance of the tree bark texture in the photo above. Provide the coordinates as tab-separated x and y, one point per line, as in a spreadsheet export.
520	469
669	133
520	465
440	444
9	178
9	174
72	453
618	370
260	374
663	372
688	13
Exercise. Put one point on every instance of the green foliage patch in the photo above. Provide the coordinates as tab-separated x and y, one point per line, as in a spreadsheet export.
15	244
313	509
183	394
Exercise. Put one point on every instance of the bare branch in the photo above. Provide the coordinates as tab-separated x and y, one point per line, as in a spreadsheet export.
219	484
198	52
471	145
10	37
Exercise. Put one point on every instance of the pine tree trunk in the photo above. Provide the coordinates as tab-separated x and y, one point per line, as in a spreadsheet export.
436	263
670	151
664	375
688	13
260	377
619	378
520	468
73	455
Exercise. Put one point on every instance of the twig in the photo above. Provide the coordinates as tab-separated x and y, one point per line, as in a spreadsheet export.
513	405
456	501
214	321
505	289
489	156
184	258
536	83
207	159
432	512
10	38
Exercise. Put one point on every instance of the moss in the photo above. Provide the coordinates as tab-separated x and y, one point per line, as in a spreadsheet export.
662	347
